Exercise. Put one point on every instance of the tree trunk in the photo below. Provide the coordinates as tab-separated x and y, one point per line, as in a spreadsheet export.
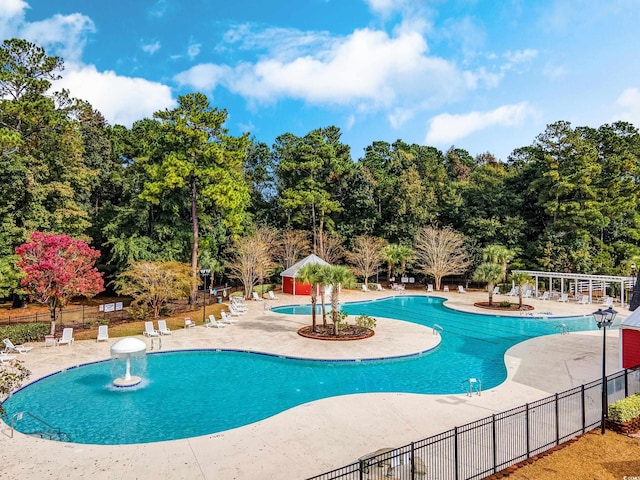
52	314
321	235
314	300
490	287
315	233
437	280
324	308
194	249
334	309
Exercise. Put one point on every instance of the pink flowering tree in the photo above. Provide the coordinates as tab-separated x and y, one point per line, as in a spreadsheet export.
58	268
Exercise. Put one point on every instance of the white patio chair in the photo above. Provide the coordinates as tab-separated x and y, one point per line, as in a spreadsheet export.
162	328
149	331
213	323
67	337
103	333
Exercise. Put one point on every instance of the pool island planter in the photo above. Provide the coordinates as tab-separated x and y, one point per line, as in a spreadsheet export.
496	306
342	337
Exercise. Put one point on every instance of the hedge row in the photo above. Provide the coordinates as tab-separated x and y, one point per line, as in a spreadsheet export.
626	409
24	332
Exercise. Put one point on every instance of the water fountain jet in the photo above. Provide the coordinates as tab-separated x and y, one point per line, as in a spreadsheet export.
124	349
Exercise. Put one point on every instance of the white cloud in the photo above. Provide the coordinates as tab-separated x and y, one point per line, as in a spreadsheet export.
369	70
629	100
159	9
151	47
122	100
12	8
205	76
11	17
385	7
66	34
521	56
447	128
194	50
554	72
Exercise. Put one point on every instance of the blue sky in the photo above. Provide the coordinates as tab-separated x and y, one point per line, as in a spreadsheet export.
482	75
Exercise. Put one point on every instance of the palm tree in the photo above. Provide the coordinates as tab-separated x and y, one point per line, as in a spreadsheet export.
395	254
490	273
499	255
310	273
520	279
336	276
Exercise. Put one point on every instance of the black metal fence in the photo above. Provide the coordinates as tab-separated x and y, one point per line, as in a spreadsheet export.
75	317
487	446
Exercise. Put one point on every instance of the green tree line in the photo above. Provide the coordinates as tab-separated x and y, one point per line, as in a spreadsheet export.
178	188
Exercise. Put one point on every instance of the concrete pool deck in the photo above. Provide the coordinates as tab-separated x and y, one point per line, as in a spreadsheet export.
318	436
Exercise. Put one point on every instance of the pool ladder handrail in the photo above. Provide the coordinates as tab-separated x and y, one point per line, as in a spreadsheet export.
475	385
54	431
437	329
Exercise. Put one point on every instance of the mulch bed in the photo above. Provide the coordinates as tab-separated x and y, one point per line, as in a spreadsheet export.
350	332
496	306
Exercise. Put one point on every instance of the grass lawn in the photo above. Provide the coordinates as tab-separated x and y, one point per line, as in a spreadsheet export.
137	327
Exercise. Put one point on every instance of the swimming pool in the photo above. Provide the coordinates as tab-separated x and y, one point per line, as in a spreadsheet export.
193	393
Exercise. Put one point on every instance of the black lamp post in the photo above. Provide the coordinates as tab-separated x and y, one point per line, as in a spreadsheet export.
604	319
204	272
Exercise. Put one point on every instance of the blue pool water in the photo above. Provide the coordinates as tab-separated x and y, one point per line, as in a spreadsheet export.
192	393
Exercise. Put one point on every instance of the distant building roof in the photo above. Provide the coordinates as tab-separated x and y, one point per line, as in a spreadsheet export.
633	320
292	271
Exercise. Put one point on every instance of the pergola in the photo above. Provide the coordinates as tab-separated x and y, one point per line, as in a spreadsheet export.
581	283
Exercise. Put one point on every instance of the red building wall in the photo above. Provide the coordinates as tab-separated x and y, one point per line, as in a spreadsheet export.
301	288
630	348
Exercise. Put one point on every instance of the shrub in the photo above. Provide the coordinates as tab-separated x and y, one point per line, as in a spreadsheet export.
11	378
505	304
25	332
366	321
626	409
137	312
342	319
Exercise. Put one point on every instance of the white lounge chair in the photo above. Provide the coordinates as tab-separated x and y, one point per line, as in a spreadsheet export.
513	292
149	331
213	323
255	297
234	311
67	337
272	296
379	287
445	288
564	297
188	323
103	333
608	302
162	328
4	358
239	305
430	287
545	295
496	290
583	300
9	347
226	318
365	288
527	294
461	289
